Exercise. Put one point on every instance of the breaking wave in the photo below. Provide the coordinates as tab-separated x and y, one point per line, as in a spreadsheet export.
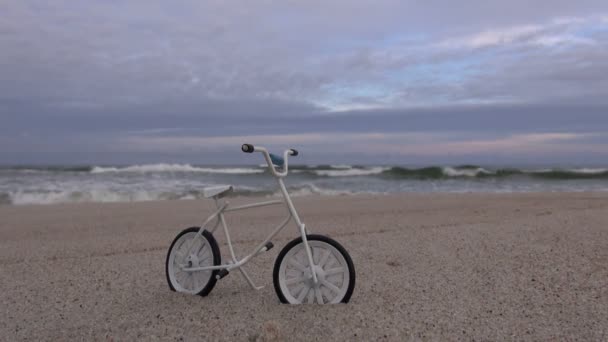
108	196
430	172
312	189
151	182
436	172
350	172
174	168
464	171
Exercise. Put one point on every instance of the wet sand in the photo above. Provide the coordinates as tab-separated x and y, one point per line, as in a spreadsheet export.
429	267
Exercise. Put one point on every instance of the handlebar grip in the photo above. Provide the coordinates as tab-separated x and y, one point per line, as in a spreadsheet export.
294	152
247	148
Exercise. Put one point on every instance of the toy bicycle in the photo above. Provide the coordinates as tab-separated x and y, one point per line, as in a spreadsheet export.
310	269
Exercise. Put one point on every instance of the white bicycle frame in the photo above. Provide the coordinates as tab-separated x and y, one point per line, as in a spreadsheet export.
224	208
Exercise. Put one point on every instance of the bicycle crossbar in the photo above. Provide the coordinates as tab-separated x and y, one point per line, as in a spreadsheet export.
254	205
237	264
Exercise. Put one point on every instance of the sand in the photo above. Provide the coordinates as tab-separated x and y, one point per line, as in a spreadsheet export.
429	267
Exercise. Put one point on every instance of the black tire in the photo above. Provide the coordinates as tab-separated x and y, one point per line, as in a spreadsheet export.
314	237
217	259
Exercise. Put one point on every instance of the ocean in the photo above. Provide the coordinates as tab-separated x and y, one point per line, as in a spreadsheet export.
57	184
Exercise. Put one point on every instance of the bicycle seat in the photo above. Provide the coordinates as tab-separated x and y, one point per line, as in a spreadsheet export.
217	191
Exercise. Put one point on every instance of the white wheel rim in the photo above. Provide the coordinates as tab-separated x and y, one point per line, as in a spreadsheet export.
200	255
295	278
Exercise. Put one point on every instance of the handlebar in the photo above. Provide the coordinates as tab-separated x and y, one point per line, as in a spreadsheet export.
272	159
247	148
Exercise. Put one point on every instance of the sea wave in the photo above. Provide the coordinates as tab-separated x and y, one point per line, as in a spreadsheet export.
175	168
341	166
312	189
323	171
465	172
351	172
431	172
91	195
582	173
319	167
41	169
45	196
472	171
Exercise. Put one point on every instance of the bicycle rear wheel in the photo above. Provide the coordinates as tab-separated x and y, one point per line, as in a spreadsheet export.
191	249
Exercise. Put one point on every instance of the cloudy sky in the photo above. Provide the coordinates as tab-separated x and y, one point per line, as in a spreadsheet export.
392	82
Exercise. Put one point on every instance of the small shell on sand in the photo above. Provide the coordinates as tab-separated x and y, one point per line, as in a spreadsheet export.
270	332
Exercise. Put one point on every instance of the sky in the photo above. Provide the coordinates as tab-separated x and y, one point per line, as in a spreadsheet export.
344	81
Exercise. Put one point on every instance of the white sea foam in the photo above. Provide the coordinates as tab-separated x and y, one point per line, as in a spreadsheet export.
351	172
91	195
588	170
341	166
174	168
103	195
464	172
311	189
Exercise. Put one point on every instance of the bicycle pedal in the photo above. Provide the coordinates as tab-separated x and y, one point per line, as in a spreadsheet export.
221	274
269	246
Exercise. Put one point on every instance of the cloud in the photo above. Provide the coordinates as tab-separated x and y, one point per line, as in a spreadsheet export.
553	32
496	37
125	53
91	74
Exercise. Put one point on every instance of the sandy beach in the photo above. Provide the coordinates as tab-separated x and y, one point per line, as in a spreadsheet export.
429	267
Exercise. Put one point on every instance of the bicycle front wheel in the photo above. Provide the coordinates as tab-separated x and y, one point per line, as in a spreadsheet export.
333	266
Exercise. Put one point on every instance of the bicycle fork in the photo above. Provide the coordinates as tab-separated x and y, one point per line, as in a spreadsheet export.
301	227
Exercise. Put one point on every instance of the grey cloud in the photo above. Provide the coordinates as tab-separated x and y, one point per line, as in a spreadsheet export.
556	76
124	52
78	76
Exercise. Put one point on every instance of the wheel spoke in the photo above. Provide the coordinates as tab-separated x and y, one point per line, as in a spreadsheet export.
186	281
293	281
311	296
303	294
179	254
185	247
202	250
206	254
297	289
196	282
331	286
324	258
190	281
183	277
333	271
297	265
207	274
193	281
319	296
